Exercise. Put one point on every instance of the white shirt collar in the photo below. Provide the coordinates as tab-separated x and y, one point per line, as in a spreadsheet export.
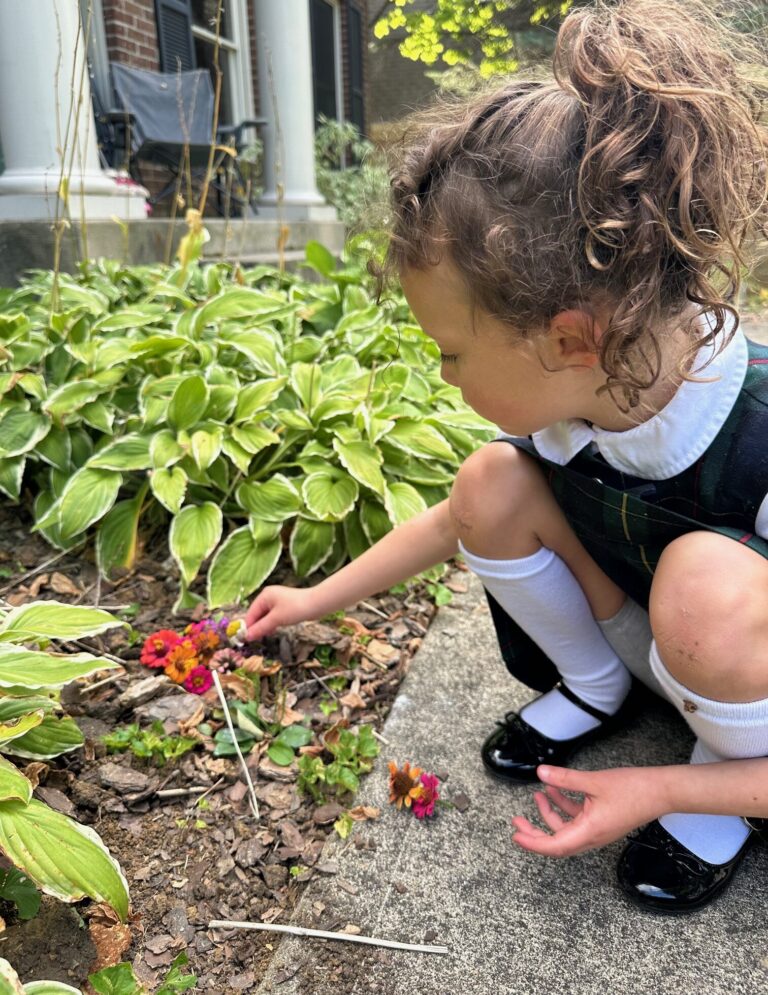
674	438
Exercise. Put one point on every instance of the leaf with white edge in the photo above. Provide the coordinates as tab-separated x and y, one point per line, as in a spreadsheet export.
56	448
169	485
21	431
117	538
402	502
374	520
64	859
311	544
50	988
305	380
241	565
13	728
189	401
239	456
329	497
20	667
274	500
418	439
9	980
11	475
71	396
195	533
13	784
88	496
257	397
363	461
164	450
52	737
254	438
206	446
56	620
131	452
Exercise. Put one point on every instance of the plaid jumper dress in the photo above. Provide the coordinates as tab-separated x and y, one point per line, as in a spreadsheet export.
626	522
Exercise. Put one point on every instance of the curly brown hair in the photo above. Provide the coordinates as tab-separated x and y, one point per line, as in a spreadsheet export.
633	179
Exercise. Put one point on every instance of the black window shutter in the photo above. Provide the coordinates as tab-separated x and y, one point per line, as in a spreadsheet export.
356	91
174	34
323	58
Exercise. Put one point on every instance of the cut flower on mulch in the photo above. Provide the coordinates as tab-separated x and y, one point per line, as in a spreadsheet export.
189	658
412	788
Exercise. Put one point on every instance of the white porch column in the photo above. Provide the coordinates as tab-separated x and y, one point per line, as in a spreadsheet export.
35	38
285	66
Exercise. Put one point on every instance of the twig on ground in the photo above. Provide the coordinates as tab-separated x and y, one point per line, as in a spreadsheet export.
200	790
100	684
40	568
228	717
381	738
325	935
92	649
217	786
376	611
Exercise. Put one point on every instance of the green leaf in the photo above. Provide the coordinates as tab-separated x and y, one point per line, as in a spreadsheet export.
9	980
328	496
374	520
241	564
71	397
305	380
319	258
52	988
20	667
254	438
311	544
195	533
87	497
174	981
402	502
21	431
257	398
131	452
235	452
169	487
295	736
117	538
15	727
64	859
259	348
56	448
98	415
275	500
117	980
241	302
55	620
206	446
17	888
52	737
164	450
363	461
419	439
189	401
13	784
11	475
280	754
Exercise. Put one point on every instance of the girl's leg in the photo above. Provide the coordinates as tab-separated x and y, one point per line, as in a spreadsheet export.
516	539
709	620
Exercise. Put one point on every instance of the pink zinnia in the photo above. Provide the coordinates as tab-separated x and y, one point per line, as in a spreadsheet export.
425	805
199	680
226	659
156	648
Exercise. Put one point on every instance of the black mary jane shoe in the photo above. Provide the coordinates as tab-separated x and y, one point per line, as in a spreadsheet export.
659	873
515	749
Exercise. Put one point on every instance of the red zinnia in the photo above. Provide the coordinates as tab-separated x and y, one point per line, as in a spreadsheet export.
156	648
199	680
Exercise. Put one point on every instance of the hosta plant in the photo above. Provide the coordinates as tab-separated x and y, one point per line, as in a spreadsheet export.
61	857
233	412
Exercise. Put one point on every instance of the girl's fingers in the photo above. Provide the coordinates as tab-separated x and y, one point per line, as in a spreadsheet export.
521	825
565	804
548	814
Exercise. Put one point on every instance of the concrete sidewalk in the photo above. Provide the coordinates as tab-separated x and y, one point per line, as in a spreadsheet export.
514	923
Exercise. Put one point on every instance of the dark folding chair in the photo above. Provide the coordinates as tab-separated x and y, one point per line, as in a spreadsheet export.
167	119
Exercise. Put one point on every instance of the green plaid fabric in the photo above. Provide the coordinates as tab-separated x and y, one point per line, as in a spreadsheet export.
626	522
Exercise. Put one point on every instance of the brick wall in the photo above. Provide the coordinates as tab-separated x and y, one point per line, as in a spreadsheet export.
132	32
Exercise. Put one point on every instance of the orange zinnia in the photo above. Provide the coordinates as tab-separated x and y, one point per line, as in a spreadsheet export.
182	660
403	786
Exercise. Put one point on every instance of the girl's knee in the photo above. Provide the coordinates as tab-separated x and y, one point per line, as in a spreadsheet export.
707	611
491	489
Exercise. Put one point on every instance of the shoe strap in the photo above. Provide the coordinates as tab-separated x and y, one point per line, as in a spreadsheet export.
566	692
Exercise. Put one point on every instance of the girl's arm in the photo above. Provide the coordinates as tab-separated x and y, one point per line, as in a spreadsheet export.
423	541
622	799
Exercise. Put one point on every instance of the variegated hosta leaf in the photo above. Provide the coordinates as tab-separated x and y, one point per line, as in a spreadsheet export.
402	502
55	620
13	728
254	438
275	500
195	533
87	497
20	667
9	980
169	485
418	439
49	988
164	450
311	544
188	403
52	737
117	537
257	398
374	520
64	859
305	380
13	784
56	448
206	446
131	452
329	497
363	461
11	474
20	431
240	566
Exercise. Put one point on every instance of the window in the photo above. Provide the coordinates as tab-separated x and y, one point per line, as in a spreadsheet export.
325	28
356	94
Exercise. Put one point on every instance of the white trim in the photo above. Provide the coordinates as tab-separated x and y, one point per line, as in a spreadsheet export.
238	49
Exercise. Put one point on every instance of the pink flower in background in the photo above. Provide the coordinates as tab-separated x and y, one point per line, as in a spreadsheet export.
226	659
425	805
199	680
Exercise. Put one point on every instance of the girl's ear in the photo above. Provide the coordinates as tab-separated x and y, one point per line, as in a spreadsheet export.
573	338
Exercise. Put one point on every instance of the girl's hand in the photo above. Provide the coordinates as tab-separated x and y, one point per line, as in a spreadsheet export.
276	606
615	802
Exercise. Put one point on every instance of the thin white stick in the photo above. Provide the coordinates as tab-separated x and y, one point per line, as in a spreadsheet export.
372	608
100	684
228	717
323	934
380	738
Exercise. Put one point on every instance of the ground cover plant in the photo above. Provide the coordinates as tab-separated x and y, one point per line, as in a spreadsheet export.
231	410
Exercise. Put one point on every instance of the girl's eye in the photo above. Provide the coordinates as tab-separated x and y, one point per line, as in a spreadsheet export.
448	359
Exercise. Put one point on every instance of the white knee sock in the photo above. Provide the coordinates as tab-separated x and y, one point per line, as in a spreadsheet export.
541	594
726	731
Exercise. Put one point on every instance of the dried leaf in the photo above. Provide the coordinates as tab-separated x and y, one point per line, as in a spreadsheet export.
61	584
241	687
351	929
187	727
40	581
110	937
381	652
35	772
258	665
352	700
362	812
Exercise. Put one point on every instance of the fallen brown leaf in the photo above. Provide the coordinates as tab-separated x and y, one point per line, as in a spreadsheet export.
352	700
258	665
40	581
188	727
241	687
61	584
35	772
362	812
111	938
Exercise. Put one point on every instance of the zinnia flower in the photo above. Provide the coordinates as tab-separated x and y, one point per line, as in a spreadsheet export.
226	659
206	642
157	647
199	680
403	784
425	805
181	661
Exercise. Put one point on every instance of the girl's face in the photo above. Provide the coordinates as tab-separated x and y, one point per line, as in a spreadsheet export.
503	379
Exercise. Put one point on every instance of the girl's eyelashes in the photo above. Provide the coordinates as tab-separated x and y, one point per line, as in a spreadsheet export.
450	358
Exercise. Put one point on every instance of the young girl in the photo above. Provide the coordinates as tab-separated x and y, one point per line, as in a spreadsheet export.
572	246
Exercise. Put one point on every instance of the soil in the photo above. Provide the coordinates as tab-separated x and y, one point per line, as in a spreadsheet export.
188	857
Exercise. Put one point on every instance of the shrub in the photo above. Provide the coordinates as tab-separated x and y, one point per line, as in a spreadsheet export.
229	410
351	174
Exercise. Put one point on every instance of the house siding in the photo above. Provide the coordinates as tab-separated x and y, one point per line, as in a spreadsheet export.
131	31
